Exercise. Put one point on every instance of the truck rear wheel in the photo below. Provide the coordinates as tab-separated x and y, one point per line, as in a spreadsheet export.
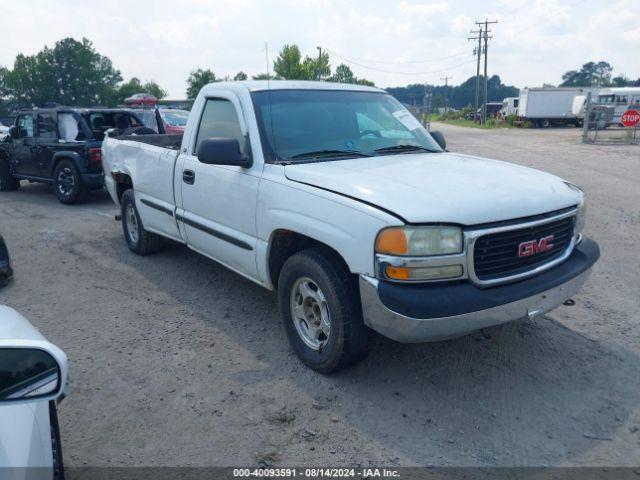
321	311
68	183
7	182
138	239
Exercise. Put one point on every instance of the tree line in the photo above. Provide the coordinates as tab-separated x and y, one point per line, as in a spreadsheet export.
72	72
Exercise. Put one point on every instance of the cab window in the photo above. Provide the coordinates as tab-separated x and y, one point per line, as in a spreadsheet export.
47	126
25	126
219	119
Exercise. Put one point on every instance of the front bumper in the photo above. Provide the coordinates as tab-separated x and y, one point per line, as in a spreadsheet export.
430	312
94	181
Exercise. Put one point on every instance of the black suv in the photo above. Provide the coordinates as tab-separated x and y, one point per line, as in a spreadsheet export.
61	146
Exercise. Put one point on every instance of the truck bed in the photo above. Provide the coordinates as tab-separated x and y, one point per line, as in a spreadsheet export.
172	142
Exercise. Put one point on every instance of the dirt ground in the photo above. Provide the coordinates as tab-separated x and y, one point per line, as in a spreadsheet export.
177	361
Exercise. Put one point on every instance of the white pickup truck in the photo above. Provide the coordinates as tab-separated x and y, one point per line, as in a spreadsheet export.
336	197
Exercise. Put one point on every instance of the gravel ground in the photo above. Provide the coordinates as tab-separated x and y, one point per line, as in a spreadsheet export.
177	361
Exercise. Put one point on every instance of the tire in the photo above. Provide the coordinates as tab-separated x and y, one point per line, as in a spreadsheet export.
545	123
67	183
138	239
320	308
7	182
56	444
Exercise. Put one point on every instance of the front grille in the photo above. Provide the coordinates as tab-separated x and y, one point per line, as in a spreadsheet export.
495	255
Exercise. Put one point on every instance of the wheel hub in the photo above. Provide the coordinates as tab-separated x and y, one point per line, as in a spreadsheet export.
310	313
65	181
132	223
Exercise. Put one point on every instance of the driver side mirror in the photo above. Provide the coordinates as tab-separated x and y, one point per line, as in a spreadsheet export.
29	373
13	132
223	151
439	138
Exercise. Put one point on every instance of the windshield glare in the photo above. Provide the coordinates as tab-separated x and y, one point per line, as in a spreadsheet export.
295	122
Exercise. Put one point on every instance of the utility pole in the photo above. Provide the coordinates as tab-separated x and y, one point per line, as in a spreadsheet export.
485	37
446	93
319	70
478	52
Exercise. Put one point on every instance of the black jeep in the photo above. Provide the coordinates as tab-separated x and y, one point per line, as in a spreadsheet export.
61	146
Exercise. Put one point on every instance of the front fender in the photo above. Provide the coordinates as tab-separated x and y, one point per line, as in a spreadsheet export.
346	225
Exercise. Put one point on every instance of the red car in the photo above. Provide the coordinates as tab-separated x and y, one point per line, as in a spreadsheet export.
160	120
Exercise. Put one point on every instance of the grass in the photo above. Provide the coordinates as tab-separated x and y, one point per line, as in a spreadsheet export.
461	122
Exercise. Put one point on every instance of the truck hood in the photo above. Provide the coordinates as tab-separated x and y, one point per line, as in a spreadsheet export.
441	187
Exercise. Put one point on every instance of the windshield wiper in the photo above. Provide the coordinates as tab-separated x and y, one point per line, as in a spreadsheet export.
404	148
328	154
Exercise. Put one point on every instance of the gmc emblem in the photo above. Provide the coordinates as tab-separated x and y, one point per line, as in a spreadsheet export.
533	247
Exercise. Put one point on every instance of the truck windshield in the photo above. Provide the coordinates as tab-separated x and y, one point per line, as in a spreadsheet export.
320	125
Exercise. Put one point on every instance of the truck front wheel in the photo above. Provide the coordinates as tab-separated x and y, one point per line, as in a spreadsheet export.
138	239
320	308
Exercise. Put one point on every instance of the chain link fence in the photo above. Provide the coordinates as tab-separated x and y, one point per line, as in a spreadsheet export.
600	125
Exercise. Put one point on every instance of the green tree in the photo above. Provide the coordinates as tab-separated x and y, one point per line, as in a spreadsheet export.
265	76
343	74
240	76
597	74
70	73
315	68
288	64
198	79
134	86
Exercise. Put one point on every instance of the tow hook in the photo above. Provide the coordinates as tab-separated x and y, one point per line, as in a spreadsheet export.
117	217
569	303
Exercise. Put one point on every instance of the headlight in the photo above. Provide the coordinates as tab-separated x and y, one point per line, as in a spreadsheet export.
419	241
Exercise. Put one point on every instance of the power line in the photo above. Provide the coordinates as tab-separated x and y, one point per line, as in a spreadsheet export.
446	92
477	51
485	36
396	72
406	62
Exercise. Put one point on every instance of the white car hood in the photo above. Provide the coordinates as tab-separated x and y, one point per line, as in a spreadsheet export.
441	187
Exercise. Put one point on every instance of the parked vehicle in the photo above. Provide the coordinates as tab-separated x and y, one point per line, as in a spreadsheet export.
160	120
60	146
549	106
33	380
6	271
618	99
336	197
509	106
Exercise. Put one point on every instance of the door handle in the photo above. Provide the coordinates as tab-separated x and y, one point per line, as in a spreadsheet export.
188	176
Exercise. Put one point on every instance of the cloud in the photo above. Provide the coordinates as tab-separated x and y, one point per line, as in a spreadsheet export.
423	9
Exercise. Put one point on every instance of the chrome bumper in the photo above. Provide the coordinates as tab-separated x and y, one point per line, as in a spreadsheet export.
415	330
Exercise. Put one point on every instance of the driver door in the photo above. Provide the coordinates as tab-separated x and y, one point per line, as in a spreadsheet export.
218	202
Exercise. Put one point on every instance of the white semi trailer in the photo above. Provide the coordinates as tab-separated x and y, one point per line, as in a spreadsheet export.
549	106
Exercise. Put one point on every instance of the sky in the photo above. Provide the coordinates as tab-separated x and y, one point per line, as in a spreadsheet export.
391	42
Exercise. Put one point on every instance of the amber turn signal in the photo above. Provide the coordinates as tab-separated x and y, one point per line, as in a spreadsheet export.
392	241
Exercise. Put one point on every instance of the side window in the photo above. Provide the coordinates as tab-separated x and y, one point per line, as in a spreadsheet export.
219	119
47	126
25	126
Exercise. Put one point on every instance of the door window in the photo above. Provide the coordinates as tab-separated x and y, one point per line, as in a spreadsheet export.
47	126
25	126
219	119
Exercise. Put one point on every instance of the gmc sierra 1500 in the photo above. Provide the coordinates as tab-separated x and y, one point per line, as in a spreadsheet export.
335	196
